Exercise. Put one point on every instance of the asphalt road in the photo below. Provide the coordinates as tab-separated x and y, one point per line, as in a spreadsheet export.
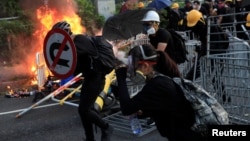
50	121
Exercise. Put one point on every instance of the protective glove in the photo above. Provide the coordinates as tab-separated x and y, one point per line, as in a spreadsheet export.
121	72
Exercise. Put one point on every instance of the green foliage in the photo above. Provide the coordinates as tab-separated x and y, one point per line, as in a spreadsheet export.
88	12
10	8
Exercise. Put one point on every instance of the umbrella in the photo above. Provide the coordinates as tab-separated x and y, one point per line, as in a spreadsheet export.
124	25
159	4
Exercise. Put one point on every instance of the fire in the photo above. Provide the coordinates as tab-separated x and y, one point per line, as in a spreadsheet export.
47	17
34	71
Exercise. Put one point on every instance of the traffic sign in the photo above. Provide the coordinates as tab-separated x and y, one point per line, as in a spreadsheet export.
60	53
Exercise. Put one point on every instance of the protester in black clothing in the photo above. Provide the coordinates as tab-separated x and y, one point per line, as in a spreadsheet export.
92	85
187	7
223	10
248	20
198	25
241	18
197	6
208	6
175	17
159	37
218	43
160	98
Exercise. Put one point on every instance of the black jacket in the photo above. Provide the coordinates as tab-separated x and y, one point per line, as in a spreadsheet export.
164	102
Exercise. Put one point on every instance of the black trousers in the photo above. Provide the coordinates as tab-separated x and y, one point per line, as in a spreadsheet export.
92	85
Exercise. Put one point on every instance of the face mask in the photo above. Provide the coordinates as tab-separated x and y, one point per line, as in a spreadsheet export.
151	31
148	29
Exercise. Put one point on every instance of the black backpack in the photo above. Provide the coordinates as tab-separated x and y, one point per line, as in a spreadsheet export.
179	51
105	59
93	54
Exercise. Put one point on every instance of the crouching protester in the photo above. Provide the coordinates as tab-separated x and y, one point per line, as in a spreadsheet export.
93	84
159	99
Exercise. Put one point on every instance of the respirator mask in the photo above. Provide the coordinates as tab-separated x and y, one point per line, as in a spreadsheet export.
148	29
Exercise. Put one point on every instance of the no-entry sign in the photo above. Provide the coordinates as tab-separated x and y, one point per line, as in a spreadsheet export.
60	53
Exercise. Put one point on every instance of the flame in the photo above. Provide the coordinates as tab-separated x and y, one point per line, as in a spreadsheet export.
46	17
34	72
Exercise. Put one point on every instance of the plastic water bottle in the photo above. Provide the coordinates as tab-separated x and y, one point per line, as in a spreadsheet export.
135	124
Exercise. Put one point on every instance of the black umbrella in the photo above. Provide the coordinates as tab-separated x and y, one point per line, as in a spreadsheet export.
124	25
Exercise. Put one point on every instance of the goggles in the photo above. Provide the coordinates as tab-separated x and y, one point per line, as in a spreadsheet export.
144	56
132	62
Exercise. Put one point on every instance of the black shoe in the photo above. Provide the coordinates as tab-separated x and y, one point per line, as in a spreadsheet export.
150	122
106	134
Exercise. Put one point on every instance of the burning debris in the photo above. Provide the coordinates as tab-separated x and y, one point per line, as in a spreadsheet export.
11	93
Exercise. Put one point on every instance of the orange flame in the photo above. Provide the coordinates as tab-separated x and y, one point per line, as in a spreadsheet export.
47	17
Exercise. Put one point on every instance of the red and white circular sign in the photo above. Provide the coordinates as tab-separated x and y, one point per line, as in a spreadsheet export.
60	53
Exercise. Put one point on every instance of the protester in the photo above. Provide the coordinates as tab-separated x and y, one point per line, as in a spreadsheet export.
187	7
92	85
175	17
197	6
160	98
198	25
140	5
223	10
247	25
248	20
219	42
159	37
241	18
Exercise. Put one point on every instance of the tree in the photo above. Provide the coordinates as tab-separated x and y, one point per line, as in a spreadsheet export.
23	25
89	14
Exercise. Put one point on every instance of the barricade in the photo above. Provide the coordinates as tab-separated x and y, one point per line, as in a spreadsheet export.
192	58
228	77
41	70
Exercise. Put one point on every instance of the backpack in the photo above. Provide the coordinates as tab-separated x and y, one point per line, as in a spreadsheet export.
93	54
179	51
105	60
208	111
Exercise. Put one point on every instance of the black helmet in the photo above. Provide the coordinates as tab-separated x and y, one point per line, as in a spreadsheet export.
63	25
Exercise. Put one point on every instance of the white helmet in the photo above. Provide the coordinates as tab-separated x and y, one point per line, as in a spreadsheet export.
151	16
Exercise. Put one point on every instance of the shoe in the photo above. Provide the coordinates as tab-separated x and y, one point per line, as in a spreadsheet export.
106	134
150	122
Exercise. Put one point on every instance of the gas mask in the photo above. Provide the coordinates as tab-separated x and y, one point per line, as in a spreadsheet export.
147	29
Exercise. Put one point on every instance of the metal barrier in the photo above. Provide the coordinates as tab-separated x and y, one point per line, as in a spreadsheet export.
41	70
227	76
121	124
192	58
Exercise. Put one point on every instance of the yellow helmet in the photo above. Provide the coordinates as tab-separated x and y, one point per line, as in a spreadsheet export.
175	5
248	20
140	5
193	17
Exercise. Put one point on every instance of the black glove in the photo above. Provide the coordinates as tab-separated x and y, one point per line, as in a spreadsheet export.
121	72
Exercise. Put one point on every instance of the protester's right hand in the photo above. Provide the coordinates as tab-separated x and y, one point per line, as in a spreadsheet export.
121	71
